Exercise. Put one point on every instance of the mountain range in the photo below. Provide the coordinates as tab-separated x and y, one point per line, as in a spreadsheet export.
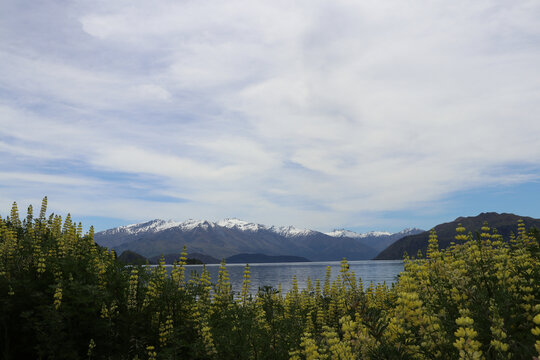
230	237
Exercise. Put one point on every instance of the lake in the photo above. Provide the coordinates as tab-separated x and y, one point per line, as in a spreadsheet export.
282	273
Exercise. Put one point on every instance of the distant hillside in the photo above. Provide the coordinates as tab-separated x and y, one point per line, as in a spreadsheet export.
129	257
504	223
206	259
261	258
171	258
132	258
192	259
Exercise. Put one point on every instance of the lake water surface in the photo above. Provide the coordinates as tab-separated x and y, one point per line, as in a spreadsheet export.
282	273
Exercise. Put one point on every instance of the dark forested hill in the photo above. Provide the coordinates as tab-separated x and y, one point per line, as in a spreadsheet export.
504	223
132	258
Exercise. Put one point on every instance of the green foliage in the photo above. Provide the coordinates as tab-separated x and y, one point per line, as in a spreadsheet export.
64	297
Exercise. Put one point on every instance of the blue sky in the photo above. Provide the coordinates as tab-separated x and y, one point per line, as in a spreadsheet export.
372	115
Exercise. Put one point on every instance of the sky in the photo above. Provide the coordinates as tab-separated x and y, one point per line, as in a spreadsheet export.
365	115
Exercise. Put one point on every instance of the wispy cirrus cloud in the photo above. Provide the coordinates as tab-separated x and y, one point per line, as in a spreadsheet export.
309	113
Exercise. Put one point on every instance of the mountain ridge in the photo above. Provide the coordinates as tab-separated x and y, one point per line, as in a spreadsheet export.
232	236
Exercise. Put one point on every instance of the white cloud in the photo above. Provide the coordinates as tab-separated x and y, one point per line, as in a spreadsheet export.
39	178
151	91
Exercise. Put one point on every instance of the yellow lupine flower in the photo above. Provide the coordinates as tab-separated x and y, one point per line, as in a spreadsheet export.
165	331
152	354
58	297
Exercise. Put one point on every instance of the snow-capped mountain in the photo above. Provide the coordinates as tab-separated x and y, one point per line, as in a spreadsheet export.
410	231
352	234
233	236
378	240
291	231
371	234
153	226
231	223
286	231
234	223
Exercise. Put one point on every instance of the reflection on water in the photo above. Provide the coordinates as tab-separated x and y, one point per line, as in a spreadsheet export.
282	273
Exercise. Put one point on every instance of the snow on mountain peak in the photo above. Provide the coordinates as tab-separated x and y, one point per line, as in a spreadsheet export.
376	233
343	233
410	230
234	223
352	234
192	224
153	226
161	225
289	231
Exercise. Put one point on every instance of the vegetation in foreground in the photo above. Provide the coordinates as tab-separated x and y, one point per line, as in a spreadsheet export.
64	297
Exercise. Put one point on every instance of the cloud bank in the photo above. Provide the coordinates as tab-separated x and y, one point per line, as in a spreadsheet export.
311	113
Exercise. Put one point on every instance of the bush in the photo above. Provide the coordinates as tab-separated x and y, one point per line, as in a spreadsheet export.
62	296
